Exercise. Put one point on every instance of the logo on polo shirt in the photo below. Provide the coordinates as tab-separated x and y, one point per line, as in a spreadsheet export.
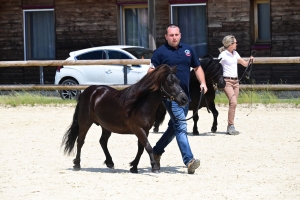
187	52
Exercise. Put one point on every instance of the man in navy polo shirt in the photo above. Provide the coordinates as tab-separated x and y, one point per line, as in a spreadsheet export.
173	52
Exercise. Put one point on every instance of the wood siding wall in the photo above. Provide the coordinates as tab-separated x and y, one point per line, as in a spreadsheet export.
228	17
131	1
79	23
84	22
162	20
285	23
11	31
37	3
11	40
285	42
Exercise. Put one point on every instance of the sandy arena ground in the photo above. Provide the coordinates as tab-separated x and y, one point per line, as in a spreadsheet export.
263	162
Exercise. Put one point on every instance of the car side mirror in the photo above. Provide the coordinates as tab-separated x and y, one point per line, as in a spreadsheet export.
129	66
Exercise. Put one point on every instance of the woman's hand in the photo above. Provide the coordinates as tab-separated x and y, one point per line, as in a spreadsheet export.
245	63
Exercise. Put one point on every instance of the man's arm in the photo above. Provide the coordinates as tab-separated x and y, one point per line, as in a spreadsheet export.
151	68
201	78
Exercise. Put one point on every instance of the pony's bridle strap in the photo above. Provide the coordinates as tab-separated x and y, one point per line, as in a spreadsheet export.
166	94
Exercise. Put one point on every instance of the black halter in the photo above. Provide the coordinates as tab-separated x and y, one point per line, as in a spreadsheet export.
167	95
171	98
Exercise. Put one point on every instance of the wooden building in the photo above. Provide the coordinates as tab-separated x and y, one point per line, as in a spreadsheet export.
50	29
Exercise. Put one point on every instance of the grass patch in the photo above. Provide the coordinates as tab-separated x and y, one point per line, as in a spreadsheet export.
263	97
25	98
31	99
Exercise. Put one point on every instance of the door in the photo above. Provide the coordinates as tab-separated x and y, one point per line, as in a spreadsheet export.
92	74
114	74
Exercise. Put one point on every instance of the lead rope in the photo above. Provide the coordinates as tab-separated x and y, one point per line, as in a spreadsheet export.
253	53
201	96
250	101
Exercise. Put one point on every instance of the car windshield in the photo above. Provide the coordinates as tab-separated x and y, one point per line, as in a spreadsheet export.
140	53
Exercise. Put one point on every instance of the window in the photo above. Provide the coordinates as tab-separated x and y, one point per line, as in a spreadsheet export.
93	55
39	34
117	55
135	25
262	26
140	53
191	18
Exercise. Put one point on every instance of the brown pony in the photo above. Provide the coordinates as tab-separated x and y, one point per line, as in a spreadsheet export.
128	111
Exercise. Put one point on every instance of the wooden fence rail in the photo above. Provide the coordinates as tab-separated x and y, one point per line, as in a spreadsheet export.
55	63
46	63
282	87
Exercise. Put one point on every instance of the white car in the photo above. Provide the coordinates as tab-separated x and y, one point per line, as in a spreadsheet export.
101	74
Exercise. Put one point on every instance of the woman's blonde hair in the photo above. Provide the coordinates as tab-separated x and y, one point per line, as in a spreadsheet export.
227	41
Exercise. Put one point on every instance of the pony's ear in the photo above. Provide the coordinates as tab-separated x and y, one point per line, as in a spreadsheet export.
208	56
174	69
205	56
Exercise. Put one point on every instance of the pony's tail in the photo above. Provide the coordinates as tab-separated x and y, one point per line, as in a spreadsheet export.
72	133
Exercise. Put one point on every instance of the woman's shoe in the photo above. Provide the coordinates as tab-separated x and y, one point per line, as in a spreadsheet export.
231	130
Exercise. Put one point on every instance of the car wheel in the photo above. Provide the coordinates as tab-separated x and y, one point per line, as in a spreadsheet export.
69	94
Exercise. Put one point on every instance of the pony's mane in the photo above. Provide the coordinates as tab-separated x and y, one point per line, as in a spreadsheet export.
211	67
132	95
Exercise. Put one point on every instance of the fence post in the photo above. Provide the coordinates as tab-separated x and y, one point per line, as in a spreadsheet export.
42	77
125	74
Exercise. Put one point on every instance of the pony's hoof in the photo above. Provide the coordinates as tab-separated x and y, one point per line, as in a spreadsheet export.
195	133
213	130
156	171
155	130
111	166
76	167
135	171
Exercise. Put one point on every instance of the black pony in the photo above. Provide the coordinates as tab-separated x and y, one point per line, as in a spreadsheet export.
128	111
213	71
